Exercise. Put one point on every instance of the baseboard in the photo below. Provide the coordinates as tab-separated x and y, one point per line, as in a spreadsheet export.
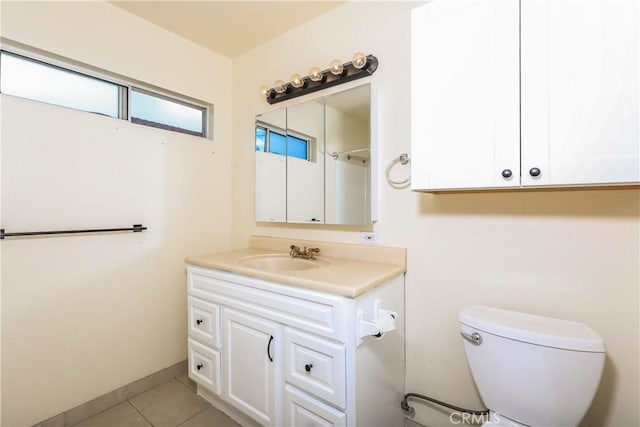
106	401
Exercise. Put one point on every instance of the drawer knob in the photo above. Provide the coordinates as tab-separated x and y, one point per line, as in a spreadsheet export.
199	321
506	174
534	172
199	366
308	367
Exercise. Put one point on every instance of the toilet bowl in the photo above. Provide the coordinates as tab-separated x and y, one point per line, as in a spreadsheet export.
531	370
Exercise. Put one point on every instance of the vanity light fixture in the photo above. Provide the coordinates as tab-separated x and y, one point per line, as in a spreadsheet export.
338	72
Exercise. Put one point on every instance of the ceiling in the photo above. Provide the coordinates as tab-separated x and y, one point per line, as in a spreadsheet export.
229	28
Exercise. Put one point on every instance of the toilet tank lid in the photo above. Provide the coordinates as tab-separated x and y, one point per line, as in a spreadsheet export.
530	328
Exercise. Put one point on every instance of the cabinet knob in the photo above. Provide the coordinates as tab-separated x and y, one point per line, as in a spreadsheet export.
506	174
534	172
308	367
199	366
198	321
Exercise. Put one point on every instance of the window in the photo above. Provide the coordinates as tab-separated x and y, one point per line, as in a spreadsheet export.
158	111
277	143
261	138
297	147
272	140
26	78
39	81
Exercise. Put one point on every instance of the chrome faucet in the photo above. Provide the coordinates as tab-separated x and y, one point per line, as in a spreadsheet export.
304	253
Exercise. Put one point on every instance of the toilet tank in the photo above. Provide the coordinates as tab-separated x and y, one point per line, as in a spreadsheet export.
535	370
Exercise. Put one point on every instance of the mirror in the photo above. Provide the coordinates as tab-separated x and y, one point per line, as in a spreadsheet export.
305	162
348	148
315	161
271	167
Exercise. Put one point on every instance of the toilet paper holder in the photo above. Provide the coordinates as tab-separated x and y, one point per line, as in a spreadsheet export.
383	321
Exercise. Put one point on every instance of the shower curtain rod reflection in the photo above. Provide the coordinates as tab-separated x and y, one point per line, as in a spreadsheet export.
337	154
136	229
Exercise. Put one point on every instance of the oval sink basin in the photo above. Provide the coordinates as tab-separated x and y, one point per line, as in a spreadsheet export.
280	262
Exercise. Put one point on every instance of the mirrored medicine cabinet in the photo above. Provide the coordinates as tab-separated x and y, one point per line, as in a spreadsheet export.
315	161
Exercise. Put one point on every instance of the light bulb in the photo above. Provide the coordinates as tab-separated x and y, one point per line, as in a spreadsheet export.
279	86
315	74
359	60
297	80
336	67
264	90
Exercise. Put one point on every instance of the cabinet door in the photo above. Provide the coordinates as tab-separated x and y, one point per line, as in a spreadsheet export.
580	92
271	166
465	94
251	365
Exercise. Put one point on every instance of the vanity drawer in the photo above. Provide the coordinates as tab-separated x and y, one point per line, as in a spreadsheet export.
204	321
315	365
303	410
317	312
204	366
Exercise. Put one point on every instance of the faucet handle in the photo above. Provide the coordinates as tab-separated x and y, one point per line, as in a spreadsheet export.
295	250
314	250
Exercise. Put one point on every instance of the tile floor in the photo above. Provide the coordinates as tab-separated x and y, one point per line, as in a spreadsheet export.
170	404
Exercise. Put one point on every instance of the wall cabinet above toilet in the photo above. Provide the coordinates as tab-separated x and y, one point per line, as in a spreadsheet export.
509	94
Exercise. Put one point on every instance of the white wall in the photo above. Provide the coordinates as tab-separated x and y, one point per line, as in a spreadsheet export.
83	315
570	254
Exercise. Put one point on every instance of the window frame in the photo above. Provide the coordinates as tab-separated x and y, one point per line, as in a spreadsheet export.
203	110
125	87
120	108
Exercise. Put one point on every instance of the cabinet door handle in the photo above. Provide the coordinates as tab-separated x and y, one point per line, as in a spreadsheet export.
199	321
506	174
308	367
534	172
199	366
269	349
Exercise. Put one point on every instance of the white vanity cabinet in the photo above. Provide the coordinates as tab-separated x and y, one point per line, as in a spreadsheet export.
280	355
531	93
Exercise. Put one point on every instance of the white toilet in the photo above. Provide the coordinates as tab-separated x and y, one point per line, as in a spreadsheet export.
531	370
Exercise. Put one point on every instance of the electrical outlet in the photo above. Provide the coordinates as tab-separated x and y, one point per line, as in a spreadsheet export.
369	237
